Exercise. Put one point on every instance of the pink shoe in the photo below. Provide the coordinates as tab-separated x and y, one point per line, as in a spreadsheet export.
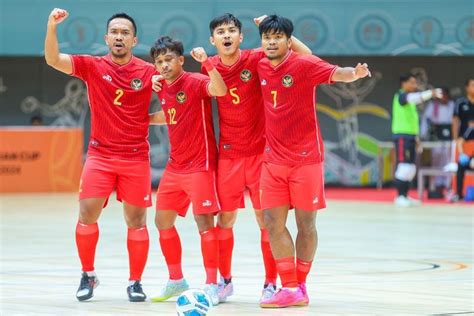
286	297
302	286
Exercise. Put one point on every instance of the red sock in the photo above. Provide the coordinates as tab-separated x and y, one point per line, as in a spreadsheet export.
138	244
171	249
210	254
86	241
302	270
226	247
287	271
268	260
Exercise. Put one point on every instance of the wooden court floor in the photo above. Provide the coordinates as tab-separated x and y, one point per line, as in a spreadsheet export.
373	259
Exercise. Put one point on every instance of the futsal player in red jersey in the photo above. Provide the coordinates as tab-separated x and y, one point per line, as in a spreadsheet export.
241	142
292	173
189	176
119	92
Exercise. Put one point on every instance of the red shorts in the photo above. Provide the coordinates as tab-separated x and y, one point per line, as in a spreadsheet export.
299	186
233	176
132	179
178	190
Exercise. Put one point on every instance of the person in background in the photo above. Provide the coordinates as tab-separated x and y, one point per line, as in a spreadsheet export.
405	130
438	112
463	133
36	120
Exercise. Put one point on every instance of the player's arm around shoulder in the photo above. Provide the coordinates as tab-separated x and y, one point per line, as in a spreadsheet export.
53	56
300	47
217	86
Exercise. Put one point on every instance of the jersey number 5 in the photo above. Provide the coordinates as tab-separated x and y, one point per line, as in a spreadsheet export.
118	96
235	96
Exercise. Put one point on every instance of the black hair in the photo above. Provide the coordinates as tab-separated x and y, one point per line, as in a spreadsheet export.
36	118
466	83
446	92
122	15
226	18
276	24
164	44
406	77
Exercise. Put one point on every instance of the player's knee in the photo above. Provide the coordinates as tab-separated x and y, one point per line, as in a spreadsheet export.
88	214
136	222
307	228
135	217
227	219
204	221
164	221
405	171
272	224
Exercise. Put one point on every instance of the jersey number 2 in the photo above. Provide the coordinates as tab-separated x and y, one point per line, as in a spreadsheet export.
118	95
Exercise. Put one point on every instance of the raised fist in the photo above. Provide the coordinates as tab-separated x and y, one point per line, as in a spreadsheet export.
57	16
199	54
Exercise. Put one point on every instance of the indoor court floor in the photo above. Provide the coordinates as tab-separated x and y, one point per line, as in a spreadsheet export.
372	259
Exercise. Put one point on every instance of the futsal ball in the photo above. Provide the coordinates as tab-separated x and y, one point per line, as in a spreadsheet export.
193	303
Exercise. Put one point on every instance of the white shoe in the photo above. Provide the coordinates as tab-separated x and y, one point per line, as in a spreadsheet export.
402	201
212	291
414	202
171	289
225	290
268	292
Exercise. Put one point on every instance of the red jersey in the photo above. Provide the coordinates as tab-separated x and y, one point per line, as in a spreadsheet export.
289	98
241	118
119	98
187	106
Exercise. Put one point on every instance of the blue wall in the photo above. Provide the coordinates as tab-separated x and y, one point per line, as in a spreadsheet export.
329	27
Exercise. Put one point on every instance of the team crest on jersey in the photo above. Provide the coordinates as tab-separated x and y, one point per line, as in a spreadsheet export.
181	97
287	81
136	84
245	75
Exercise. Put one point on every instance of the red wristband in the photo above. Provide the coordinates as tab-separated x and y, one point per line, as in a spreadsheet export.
208	65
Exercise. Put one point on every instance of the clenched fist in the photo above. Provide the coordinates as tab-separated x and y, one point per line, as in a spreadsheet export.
199	54
57	16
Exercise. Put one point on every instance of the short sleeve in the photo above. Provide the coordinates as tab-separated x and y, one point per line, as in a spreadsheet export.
202	84
457	107
403	98
81	65
319	71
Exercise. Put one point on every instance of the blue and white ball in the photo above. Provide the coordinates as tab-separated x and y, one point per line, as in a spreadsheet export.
193	302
